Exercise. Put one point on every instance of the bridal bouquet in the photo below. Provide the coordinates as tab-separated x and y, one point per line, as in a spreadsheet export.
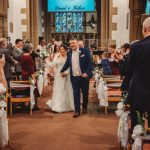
44	54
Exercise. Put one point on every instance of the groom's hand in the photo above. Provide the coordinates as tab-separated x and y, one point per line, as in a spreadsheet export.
63	74
84	75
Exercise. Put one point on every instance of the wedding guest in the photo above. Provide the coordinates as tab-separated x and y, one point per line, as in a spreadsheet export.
123	59
8	60
40	49
17	53
26	62
27	65
81	44
105	64
51	45
138	76
113	60
56	50
42	46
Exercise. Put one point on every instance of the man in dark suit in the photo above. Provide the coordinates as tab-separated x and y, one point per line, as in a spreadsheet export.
81	66
138	76
8	59
17	54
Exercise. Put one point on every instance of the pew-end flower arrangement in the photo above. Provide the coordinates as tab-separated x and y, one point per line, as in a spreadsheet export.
138	132
123	129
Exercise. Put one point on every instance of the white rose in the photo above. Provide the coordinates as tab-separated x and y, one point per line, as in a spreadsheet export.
138	129
119	112
120	105
2	104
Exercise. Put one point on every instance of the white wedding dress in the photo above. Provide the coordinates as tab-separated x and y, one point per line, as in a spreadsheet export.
62	97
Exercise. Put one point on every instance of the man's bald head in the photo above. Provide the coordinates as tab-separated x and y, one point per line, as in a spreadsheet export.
146	27
81	44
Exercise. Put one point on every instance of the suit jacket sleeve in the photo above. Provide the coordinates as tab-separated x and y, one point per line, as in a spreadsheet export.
16	55
89	63
8	58
130	67
66	65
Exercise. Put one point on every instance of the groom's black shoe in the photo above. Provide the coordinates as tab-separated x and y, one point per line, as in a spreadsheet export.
76	115
84	111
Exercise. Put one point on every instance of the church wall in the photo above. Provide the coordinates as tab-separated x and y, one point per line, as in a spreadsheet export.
121	34
17	24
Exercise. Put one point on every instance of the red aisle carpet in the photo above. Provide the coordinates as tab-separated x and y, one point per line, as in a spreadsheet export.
45	130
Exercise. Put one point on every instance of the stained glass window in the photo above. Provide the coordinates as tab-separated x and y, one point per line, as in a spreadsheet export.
148	7
69	22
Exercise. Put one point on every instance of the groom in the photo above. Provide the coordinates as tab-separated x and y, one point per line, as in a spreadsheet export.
80	63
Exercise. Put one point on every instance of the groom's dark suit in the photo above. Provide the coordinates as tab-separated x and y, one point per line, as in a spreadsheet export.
86	66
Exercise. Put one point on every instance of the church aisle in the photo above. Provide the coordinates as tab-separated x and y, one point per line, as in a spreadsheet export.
51	131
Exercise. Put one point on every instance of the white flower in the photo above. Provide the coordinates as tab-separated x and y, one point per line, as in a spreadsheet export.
137	131
3	104
32	82
101	80
41	71
120	106
119	112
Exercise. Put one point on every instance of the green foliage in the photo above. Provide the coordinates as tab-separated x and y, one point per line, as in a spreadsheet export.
141	119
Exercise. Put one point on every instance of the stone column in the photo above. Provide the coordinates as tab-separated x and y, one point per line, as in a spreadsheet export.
3	18
104	21
34	5
137	8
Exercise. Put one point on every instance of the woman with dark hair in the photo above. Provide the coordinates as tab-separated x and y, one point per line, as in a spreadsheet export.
113	60
27	63
55	52
62	97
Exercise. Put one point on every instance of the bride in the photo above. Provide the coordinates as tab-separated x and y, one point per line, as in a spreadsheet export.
62	97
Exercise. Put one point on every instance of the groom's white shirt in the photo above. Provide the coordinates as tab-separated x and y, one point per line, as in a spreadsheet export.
76	70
